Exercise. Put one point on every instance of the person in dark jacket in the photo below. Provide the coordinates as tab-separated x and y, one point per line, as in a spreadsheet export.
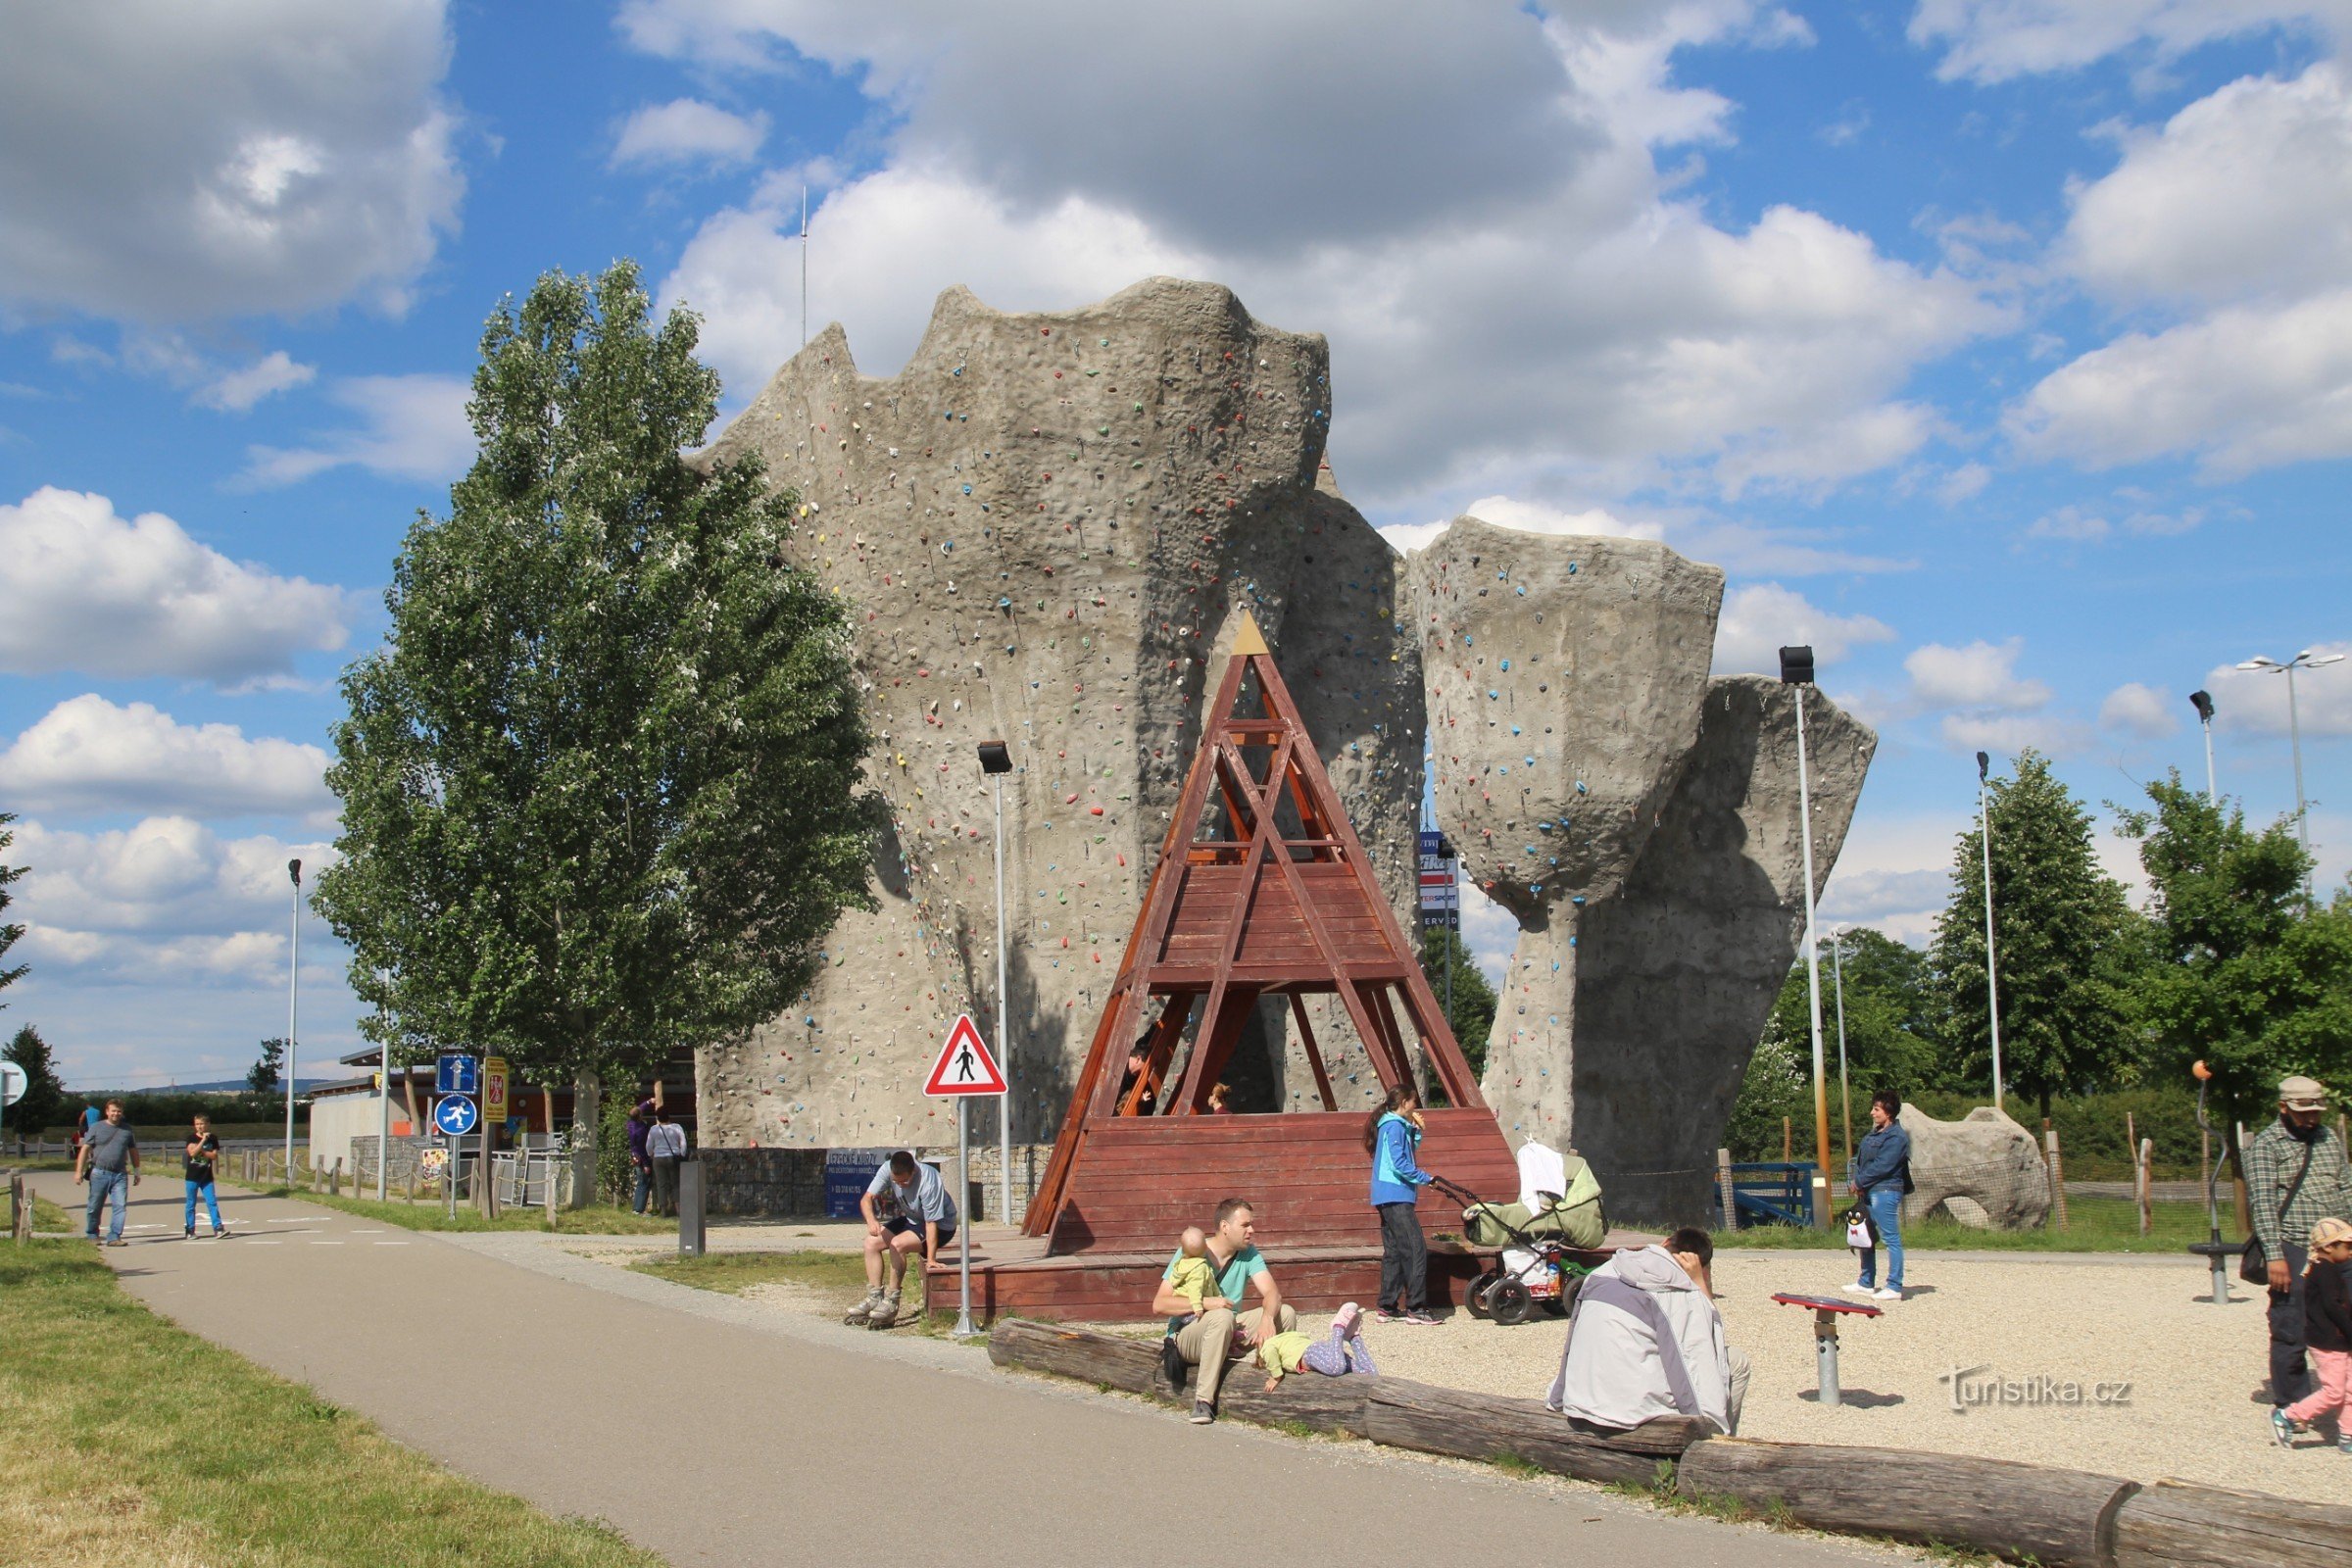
1880	1177
1390	1135
2328	1335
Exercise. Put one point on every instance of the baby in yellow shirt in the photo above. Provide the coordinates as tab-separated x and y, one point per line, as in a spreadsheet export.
1192	1276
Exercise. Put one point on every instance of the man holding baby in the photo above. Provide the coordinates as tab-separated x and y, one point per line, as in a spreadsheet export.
1223	1265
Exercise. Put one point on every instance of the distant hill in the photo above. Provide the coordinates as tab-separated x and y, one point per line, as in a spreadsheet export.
217	1086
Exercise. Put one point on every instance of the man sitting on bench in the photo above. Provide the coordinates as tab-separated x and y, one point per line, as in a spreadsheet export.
1647	1342
908	1211
1209	1341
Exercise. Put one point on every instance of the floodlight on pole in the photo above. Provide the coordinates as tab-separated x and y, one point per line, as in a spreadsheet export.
2202	702
2306	659
1992	987
1796	670
996	762
293	994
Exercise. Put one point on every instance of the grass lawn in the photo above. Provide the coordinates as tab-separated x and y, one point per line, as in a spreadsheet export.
733	1273
424	1214
2094	1225
47	1216
124	1438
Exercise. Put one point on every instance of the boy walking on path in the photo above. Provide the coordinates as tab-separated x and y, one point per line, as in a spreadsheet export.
109	1161
2295	1178
202	1152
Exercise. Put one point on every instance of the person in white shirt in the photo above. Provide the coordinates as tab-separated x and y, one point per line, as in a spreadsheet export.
1647	1342
666	1145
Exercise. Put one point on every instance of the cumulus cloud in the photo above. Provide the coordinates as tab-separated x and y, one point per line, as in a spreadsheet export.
1532	302
164	162
85	589
166	903
2256	701
87	755
2140	711
688	131
1980	675
238	390
1757	621
1998	40
1529	516
411	427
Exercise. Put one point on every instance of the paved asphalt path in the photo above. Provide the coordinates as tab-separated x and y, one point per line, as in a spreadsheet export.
712	1440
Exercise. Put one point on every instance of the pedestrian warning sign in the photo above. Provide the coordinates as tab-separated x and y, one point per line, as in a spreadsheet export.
964	1066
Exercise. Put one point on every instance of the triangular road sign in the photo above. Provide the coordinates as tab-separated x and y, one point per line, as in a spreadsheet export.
964	1066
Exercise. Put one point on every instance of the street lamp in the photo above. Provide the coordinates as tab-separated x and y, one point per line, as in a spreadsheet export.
293	991
1797	669
2202	702
1992	989
2306	659
996	762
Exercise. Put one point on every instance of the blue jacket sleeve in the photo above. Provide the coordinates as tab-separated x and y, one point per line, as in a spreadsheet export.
1400	1155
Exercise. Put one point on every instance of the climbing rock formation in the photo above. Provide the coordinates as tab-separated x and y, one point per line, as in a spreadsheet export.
1045	528
1640	819
1982	1170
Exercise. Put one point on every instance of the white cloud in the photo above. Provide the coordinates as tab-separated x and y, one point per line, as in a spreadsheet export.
166	162
82	588
236	391
2051	734
2139	710
1894	873
688	131
87	756
163	904
2072	525
1529	307
1980	675
1963	484
1761	618
411	428
2251	699
1998	40
1528	517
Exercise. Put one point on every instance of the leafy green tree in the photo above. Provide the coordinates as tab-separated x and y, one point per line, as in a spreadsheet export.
1779	1085
262	1076
1472	1015
8	933
600	785
1893	1020
2249	981
44	1101
2068	942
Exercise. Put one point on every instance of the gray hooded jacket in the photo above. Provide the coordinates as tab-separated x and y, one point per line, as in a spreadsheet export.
1646	1342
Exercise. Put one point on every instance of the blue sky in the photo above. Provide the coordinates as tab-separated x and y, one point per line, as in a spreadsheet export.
2000	348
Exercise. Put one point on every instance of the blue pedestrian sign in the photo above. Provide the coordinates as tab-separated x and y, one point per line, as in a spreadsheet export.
455	1115
457	1074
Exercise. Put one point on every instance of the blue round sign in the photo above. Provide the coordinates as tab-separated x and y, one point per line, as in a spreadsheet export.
455	1116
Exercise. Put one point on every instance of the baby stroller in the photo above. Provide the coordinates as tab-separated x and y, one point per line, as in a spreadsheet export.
1551	1239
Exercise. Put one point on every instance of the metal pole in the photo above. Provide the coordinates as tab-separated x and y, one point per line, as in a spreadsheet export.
964	1179
293	993
2212	796
2294	730
1821	1085
1004	1060
804	271
1992	992
384	1120
1846	1092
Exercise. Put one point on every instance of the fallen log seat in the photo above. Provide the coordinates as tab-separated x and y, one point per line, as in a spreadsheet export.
1486	1426
2002	1506
2176	1522
1303	1398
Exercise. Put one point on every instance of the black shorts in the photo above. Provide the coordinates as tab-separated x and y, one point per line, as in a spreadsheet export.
900	1225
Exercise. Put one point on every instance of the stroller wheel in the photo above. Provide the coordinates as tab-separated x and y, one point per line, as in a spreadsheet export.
1474	1298
1510	1302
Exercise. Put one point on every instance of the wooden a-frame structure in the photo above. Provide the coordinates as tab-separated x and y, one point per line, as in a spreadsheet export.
1262	890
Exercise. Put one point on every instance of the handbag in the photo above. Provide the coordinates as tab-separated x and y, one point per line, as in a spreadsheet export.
1860	1234
2252	1265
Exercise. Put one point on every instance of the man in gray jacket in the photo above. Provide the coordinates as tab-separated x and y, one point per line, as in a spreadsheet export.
1647	1342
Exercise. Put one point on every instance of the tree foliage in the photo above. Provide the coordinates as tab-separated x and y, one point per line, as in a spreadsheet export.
44	1101
2068	946
1472	1014
601	785
262	1076
2249	980
8	932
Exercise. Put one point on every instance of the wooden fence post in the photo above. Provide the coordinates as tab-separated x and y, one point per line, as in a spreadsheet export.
1787	1142
1724	1191
2146	1161
17	1206
2049	1135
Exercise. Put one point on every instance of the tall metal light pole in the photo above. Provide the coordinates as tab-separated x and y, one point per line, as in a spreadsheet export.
1846	1092
2306	659
1797	669
996	762
1992	989
2202	702
293	993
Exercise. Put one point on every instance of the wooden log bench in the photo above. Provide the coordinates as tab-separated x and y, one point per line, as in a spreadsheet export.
2002	1506
2175	1521
1387	1410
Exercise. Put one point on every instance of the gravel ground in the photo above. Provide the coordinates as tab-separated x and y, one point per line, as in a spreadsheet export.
2192	1367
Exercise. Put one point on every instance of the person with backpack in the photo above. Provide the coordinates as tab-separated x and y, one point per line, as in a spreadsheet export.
1390	1135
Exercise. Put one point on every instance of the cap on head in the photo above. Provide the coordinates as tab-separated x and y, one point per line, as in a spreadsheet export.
2329	1231
2302	1093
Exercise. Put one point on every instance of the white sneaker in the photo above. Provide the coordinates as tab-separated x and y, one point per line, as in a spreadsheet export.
1856	1288
1883	1295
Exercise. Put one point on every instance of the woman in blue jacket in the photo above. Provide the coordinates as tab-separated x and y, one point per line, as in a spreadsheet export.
1880	1177
1390	1135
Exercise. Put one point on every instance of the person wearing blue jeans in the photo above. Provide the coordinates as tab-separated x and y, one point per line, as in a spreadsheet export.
203	1151
1880	1177
109	1162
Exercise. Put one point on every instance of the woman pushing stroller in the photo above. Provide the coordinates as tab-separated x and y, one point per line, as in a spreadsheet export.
1392	1134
